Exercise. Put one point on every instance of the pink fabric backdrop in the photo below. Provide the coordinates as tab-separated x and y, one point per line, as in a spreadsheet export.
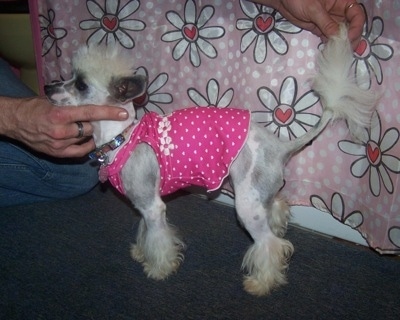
221	53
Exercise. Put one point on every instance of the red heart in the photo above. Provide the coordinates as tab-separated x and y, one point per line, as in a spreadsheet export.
373	154
263	24
283	116
50	30
190	31
110	23
362	46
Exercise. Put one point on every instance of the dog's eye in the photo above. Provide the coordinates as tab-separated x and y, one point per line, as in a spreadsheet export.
80	85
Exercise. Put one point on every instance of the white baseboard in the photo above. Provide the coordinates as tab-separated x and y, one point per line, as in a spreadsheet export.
322	222
316	221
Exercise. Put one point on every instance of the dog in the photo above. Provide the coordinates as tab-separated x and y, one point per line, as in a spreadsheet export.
253	158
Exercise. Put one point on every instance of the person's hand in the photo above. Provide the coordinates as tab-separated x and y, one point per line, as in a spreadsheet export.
53	130
321	17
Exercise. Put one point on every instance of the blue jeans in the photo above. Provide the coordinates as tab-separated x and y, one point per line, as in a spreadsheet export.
27	177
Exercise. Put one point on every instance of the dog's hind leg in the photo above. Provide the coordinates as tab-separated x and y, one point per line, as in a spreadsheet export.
256	183
267	259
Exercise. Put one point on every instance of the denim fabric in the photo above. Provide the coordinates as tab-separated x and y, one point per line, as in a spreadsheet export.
26	177
10	84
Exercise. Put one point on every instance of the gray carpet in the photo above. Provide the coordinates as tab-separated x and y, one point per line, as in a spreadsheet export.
70	260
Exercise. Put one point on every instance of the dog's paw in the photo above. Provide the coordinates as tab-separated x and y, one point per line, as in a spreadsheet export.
137	253
266	263
158	272
258	288
159	263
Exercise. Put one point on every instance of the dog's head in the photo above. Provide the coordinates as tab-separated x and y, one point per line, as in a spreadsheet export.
101	76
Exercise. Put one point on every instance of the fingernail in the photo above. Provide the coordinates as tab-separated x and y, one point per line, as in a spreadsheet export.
123	115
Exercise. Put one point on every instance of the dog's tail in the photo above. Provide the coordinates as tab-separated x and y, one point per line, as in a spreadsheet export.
341	97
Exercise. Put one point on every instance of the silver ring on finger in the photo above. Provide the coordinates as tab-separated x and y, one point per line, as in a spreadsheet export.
81	131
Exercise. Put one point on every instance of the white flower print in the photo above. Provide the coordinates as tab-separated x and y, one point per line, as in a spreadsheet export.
369	52
286	116
374	157
191	33
213	99
111	24
164	126
354	219
151	100
50	34
264	26
166	145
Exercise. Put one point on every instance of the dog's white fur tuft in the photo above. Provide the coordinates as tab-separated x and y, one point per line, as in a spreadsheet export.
160	252
279	217
266	263
340	95
337	87
104	61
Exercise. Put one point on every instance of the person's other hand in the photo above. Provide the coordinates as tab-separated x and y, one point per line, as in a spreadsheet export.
321	17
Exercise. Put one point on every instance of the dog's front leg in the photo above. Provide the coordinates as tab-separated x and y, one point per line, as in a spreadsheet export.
158	246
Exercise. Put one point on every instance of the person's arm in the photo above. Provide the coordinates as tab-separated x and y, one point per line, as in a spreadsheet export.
50	129
321	17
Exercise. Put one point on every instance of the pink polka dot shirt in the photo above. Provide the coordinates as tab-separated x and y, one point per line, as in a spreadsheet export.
194	146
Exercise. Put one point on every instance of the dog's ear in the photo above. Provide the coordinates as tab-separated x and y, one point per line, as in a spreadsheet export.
128	88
